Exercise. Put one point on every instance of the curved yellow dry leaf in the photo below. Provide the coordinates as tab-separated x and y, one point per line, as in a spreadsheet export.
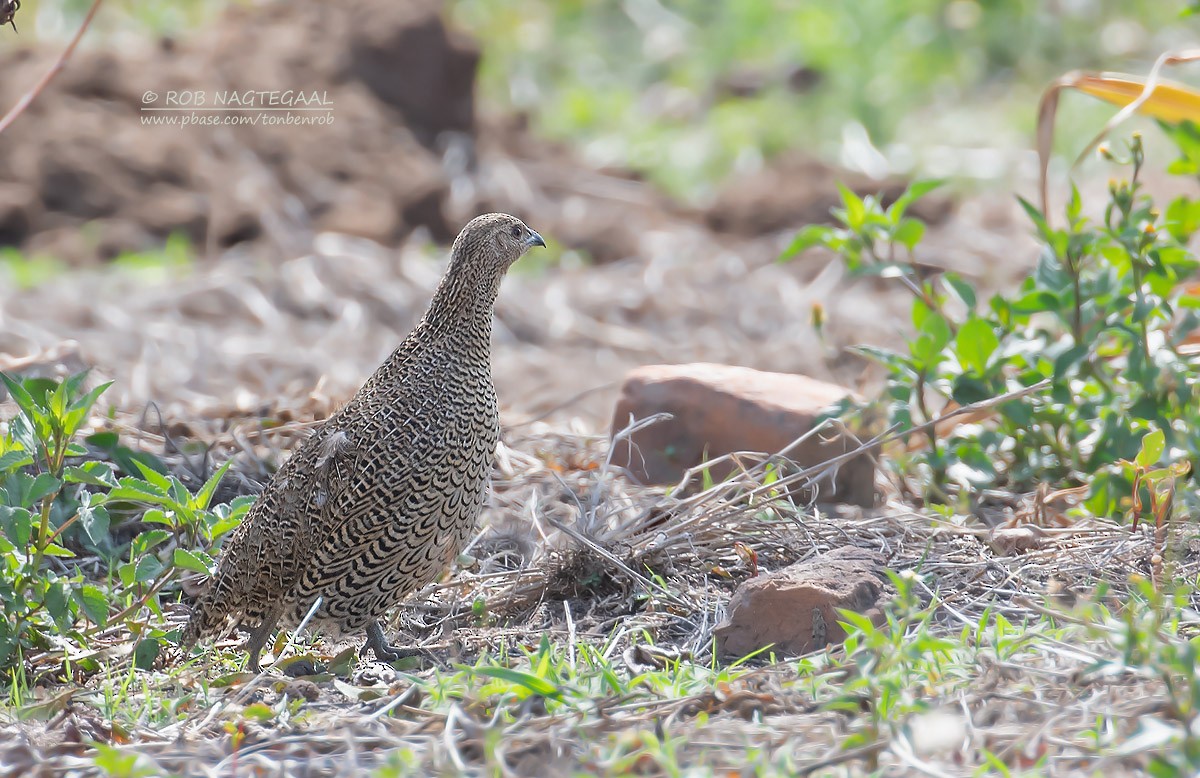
1164	100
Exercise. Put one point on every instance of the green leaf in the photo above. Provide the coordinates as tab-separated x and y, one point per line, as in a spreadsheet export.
1066	362
967	390
226	524
147	568
73	419
975	344
915	191
58	400
536	685
43	486
1050	273
95	473
1153	444
23	490
112	760
192	560
1074	205
154	477
935	335
71	385
105	441
21	397
964	291
909	232
145	652
11	460
158	516
204	495
1035	216
17	524
146	541
95	522
343	662
812	235
857	620
137	490
856	210
93	602
258	711
1182	218
896	363
1037	302
56	604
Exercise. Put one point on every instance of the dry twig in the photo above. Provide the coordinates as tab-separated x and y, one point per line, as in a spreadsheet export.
59	63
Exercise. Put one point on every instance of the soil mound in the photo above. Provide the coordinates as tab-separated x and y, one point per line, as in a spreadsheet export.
87	152
386	140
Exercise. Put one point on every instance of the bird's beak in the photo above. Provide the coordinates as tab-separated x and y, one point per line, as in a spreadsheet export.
534	240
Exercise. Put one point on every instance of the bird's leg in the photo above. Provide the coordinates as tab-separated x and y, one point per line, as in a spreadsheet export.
260	634
383	651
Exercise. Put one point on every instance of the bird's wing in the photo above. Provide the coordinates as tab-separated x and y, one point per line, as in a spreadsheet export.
267	554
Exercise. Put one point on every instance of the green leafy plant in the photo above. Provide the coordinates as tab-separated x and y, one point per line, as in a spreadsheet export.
1151	636
1157	482
887	662
1104	318
39	599
58	501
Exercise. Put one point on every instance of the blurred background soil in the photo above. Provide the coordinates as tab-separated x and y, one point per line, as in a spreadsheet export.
296	257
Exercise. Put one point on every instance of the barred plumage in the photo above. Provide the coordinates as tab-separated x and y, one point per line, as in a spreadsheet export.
382	497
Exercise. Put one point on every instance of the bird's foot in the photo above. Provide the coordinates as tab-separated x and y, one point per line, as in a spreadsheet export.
385	652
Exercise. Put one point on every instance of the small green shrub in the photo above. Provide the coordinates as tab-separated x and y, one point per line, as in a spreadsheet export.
1104	318
1150	635
58	501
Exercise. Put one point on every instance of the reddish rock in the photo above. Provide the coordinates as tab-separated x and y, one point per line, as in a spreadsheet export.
794	610
720	409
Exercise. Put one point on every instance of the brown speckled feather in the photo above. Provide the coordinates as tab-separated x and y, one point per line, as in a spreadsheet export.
379	500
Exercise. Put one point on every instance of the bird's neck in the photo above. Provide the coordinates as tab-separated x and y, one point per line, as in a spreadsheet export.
457	328
464	302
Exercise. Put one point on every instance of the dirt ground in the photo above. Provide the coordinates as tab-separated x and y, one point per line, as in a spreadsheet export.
318	246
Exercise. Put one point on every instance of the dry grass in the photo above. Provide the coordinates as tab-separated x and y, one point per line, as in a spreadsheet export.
241	356
239	336
573	554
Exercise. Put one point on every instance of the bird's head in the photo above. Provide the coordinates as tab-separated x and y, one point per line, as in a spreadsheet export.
495	238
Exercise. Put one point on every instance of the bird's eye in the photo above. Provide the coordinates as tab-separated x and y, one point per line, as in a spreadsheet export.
516	231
